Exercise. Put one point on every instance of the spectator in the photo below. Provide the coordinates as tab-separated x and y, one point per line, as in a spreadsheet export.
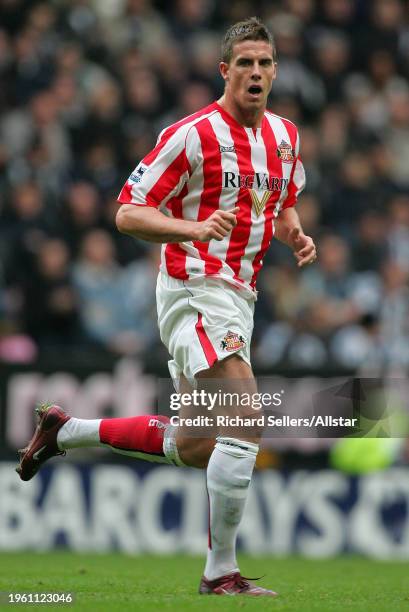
394	313
116	305
354	193
79	215
338	297
332	59
397	134
51	314
295	79
369	251
26	223
95	276
398	231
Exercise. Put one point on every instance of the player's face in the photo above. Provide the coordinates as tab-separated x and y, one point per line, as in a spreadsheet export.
250	74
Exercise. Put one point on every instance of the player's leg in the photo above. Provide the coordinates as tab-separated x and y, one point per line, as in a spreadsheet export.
141	437
209	338
229	472
145	437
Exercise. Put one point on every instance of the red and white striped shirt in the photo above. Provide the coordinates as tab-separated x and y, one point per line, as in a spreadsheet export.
208	161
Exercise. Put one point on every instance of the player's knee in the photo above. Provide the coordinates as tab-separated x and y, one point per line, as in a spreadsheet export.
195	452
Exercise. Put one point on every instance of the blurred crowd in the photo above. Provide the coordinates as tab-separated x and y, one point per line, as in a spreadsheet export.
85	87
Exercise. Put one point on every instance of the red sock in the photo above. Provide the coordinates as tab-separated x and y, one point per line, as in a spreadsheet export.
143	434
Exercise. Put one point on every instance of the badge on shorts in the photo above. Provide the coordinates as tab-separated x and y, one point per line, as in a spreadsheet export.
232	342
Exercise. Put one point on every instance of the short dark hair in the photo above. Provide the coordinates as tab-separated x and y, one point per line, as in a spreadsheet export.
249	29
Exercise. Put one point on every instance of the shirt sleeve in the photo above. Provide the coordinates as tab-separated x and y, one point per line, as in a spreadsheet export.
161	174
297	179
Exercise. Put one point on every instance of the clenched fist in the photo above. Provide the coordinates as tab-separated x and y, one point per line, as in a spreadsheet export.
217	226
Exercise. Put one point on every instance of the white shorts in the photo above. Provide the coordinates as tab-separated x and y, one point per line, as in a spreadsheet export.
202	321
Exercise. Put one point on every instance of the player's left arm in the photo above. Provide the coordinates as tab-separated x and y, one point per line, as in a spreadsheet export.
287	225
289	231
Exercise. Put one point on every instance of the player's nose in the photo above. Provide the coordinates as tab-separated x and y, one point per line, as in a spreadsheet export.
256	72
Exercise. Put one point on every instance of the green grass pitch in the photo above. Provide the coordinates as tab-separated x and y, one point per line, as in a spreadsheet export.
117	582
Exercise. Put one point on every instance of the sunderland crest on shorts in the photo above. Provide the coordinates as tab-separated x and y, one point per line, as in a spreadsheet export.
285	152
232	342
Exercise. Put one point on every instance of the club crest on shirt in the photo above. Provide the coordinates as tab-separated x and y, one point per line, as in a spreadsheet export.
285	152
138	173
232	342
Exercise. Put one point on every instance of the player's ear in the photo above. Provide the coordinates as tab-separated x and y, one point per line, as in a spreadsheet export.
275	66
224	70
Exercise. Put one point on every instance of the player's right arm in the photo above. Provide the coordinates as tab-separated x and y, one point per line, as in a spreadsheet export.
157	181
150	224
